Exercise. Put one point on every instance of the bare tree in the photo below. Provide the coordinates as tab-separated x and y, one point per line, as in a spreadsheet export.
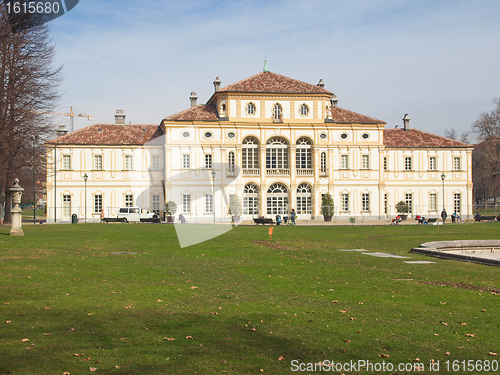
486	155
28	88
451	134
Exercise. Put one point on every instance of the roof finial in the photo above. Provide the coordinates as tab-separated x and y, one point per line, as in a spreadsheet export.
265	64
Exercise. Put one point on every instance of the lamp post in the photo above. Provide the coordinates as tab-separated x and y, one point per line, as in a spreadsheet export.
443	176
85	177
213	192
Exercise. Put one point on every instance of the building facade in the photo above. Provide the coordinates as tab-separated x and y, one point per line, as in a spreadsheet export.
273	142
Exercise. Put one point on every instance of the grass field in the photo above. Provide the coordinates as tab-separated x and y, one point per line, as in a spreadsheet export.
240	303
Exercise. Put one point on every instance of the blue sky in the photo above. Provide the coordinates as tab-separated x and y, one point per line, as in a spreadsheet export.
438	61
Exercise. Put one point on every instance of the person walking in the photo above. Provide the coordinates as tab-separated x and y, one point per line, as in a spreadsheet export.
444	215
292	217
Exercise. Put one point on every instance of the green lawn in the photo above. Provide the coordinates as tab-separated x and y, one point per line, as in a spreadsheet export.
240	303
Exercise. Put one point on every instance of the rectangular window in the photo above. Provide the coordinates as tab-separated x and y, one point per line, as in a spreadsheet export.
365	202
249	158
98	162
385	204
250	205
409	202
208	161
129	200
304	205
156	204
155	162
386	164
323	162
365	161
344	202
432	202
66	209
186	203
303	158
408	163
128	163
344	161
457	203
186	161
97	203
209	203
66	162
456	164
432	163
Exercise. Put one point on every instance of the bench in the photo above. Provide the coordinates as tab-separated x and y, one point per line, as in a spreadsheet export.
263	221
432	220
115	220
488	218
150	220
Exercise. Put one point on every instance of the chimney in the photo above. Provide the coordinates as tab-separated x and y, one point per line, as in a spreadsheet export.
120	117
61	130
321	83
193	99
406	122
217	84
334	101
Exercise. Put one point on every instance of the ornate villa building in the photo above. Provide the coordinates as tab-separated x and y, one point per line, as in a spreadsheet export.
274	143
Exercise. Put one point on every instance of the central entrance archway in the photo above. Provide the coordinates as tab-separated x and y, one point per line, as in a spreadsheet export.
277	199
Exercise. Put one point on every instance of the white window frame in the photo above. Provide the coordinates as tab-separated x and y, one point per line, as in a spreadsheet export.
408	163
386	163
208	161
433	163
365	161
322	162
155	162
365	202
344	202
409	202
457	163
209	203
344	161
433	202
251	109
97	203
98	162
156	203
128	163
66	162
129	200
186	161
186	203
304	110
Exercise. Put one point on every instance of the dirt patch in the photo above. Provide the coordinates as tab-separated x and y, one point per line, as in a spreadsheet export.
274	245
463	286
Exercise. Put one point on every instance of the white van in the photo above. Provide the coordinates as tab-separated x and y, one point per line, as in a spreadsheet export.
134	213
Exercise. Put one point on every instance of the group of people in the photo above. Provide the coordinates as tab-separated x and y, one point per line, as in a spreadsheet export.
293	215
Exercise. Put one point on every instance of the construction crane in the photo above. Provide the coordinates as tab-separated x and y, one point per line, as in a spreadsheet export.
71	115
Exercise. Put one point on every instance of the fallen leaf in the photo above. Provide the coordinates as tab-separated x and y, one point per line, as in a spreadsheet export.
447	353
436	334
347	341
343	311
160	300
189	337
416	359
66	373
470	334
7	321
90	314
46	334
193	287
493	353
93	369
25	340
335	301
384	355
253	329
281	358
445	324
353	318
77	355
169	339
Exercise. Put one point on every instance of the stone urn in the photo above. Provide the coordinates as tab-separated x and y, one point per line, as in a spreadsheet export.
16	213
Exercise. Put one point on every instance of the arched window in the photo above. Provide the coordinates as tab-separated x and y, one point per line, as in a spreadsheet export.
303	153
277	199
251	199
304	110
304	193
277	153
250	153
250	109
277	113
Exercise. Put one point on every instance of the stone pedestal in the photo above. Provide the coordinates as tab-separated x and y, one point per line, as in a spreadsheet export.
16	213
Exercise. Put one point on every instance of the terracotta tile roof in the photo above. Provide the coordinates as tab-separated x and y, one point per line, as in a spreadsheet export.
275	83
417	138
201	112
342	115
108	134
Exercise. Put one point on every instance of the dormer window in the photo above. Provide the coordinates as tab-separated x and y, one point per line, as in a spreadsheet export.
250	109
223	110
304	110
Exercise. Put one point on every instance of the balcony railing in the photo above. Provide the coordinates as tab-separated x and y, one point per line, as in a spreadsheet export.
278	172
251	172
231	171
323	174
305	172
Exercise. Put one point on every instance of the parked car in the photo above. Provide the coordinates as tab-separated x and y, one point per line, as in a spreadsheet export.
134	213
